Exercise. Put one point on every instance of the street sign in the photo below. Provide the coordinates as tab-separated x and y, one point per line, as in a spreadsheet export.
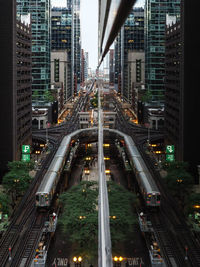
26	149
26	157
170	149
170	157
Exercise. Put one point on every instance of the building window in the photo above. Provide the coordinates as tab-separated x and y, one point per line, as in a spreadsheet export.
56	70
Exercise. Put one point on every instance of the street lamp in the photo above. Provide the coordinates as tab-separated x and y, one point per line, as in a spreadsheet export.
117	261
77	261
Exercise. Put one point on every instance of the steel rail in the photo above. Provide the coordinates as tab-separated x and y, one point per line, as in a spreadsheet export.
105	249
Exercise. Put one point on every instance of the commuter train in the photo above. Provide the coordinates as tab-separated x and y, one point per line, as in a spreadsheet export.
148	188
147	185
47	188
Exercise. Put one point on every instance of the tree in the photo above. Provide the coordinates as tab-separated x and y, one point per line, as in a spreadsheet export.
122	218
175	166
48	96
16	182
5	203
79	219
193	202
147	96
35	95
179	182
20	165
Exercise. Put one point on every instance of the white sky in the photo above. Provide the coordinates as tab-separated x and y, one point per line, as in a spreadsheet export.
89	26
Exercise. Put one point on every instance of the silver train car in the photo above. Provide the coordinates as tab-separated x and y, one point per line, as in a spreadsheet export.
47	188
147	185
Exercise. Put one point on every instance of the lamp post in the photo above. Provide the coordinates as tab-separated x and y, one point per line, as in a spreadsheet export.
77	261
117	261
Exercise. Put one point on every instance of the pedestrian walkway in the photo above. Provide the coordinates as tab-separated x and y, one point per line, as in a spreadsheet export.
92	173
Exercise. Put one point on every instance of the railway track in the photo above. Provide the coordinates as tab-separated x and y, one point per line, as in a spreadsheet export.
26	248
20	219
173	222
169	225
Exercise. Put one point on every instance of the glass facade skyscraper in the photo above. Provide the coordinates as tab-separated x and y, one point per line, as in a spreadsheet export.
40	18
155	14
61	39
132	40
77	44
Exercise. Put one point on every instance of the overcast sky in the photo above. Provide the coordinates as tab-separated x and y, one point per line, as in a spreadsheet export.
89	27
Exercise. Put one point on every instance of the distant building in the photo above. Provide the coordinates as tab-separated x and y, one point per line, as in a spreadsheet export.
60	71
155	14
83	63
61	40
173	91
66	35
40	17
16	81
182	79
86	65
136	77
76	43
111	67
130	38
117	51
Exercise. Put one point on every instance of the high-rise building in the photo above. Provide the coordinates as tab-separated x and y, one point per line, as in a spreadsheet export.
136	73
59	71
16	80
82	67
61	40
77	44
74	7
86	64
131	38
111	67
155	20
117	49
173	91
182	79
40	18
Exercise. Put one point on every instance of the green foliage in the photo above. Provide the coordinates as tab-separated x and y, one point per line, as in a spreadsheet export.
147	96
35	95
192	201
5	203
48	96
122	219
4	224
175	166
80	217
20	165
94	100
79	220
179	181
17	182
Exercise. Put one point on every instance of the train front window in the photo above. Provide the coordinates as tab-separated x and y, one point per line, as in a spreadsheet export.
37	197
